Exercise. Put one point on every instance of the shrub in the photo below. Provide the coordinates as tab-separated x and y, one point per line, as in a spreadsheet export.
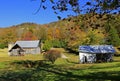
52	55
53	43
47	45
59	44
2	46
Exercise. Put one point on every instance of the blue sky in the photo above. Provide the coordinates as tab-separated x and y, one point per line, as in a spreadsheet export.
13	12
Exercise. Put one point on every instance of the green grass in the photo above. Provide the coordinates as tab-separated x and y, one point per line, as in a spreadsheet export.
33	68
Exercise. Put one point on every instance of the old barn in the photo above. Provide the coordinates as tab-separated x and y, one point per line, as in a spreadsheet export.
27	47
96	53
16	50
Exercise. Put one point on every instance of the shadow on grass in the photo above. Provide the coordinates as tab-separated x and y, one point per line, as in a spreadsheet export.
69	61
72	51
29	63
49	72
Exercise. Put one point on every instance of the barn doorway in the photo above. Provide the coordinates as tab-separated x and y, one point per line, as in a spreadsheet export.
85	59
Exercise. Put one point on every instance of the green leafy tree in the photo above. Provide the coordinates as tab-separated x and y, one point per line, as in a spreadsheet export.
58	43
113	37
94	37
111	28
47	45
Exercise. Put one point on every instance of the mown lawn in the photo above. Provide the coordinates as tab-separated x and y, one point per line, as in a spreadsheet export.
34	68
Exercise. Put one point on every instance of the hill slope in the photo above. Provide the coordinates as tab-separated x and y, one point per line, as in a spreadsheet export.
74	31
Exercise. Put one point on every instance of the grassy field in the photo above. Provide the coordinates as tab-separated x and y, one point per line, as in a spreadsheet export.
33	68
5	57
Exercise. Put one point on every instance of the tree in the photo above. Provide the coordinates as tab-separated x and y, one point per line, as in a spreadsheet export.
94	37
7	35
111	27
28	36
113	37
83	7
47	45
100	6
41	33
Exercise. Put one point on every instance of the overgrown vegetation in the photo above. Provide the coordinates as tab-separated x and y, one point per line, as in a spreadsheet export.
52	55
53	44
2	46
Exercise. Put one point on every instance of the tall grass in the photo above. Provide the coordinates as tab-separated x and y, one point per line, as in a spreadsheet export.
4	52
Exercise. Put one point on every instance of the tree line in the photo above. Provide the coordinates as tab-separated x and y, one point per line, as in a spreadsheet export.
87	29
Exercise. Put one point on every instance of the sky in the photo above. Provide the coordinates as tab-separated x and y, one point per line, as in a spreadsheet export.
14	12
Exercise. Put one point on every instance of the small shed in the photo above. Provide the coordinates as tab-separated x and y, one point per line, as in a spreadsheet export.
29	47
16	50
96	53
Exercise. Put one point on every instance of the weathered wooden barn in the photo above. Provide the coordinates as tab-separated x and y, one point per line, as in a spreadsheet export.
16	50
29	47
96	53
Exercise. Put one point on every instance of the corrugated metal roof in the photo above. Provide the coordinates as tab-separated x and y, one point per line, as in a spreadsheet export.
28	44
97	49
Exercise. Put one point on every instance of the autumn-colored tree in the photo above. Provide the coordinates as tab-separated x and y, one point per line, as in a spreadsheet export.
94	37
8	35
53	33
28	36
50	33
41	33
76	37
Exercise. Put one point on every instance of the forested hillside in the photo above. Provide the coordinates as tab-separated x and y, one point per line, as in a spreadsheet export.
89	29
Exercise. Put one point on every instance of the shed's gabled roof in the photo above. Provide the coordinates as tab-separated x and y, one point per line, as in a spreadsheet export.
97	49
28	44
16	46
